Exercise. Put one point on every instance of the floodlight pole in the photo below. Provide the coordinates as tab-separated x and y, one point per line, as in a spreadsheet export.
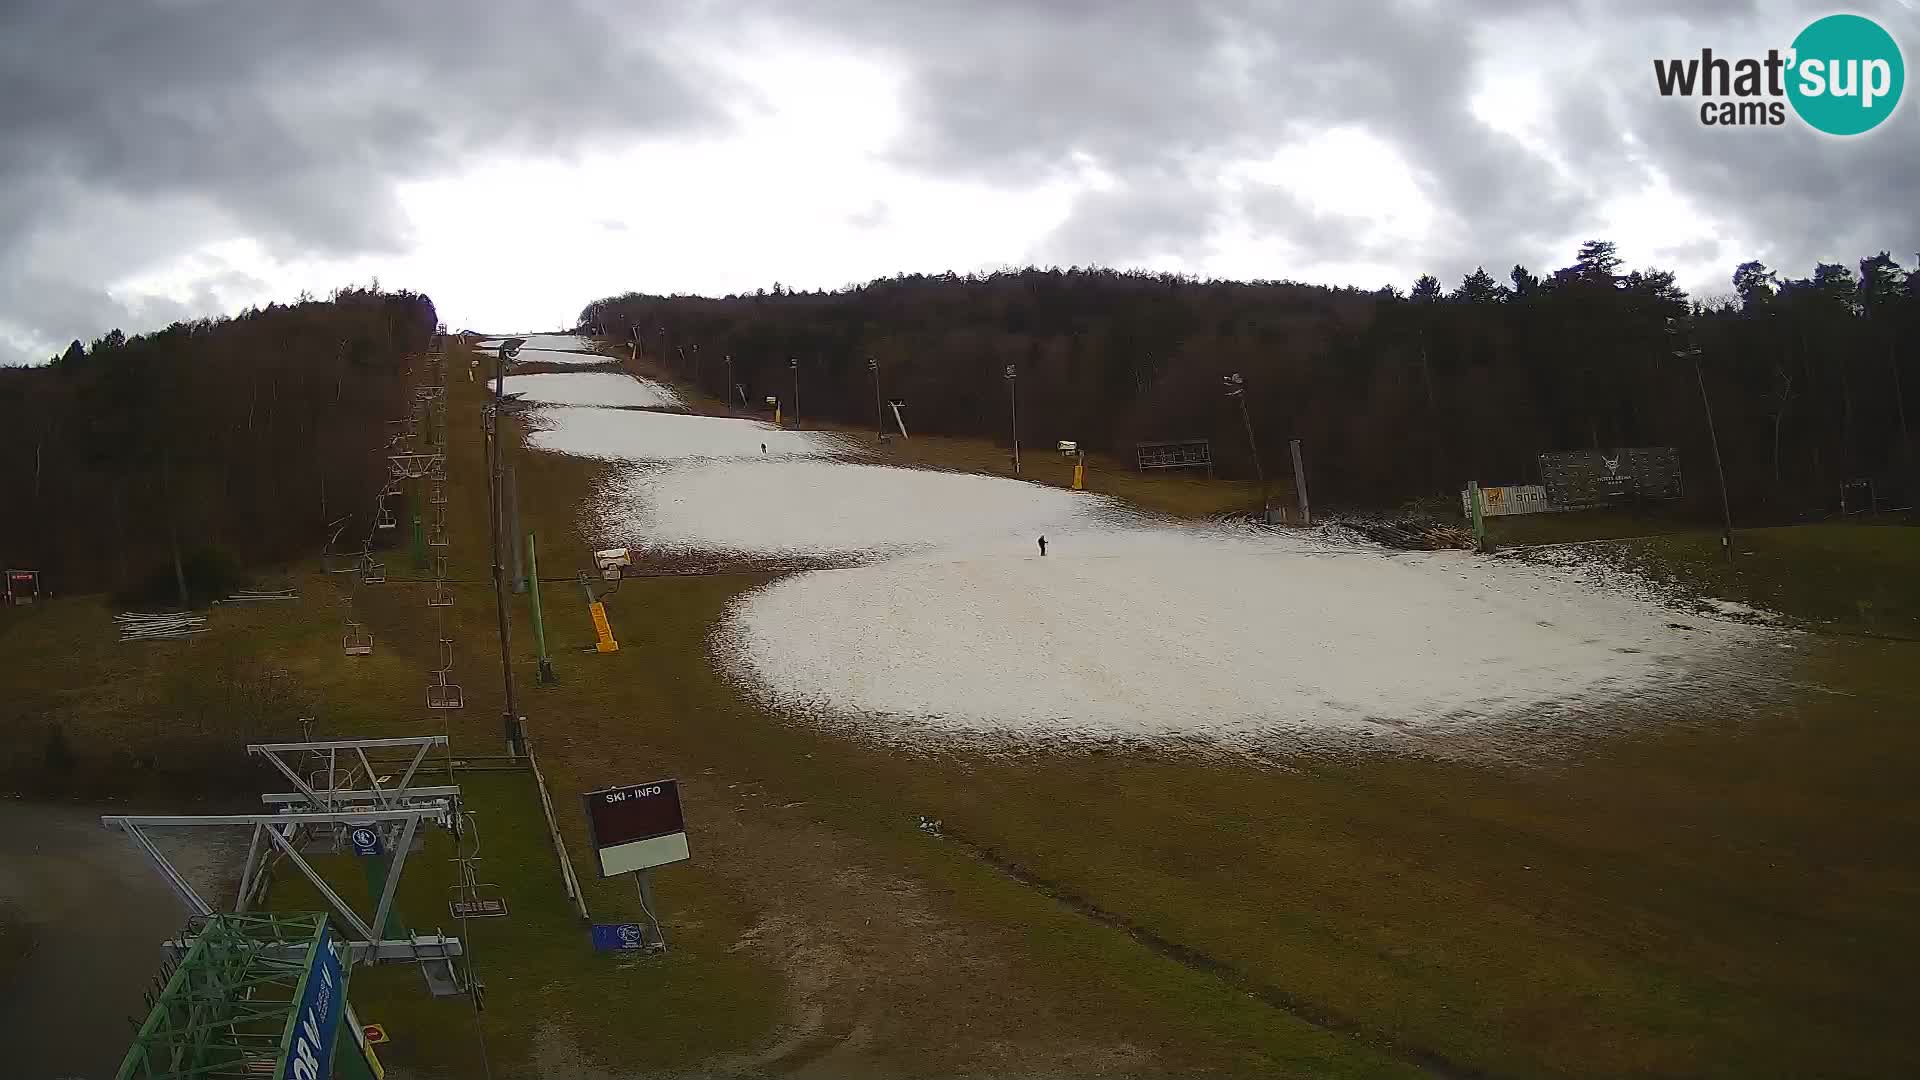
1013	414
793	364
879	415
1692	352
728	395
495	508
1237	389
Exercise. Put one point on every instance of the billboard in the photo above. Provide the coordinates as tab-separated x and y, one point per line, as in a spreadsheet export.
1508	500
1575	478
636	827
309	1054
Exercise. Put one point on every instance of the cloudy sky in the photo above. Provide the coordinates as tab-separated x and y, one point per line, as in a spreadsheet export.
164	159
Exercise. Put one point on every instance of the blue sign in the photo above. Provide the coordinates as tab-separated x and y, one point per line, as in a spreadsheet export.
365	839
618	937
322	999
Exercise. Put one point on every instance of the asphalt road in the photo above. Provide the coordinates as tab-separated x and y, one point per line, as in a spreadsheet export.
91	913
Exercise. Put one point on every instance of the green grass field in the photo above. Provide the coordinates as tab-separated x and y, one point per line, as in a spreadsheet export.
1721	888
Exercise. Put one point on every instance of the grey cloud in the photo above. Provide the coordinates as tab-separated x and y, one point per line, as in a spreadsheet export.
1022	92
292	123
1148	216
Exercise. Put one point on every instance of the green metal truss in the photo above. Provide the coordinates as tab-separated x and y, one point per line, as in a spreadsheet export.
225	1007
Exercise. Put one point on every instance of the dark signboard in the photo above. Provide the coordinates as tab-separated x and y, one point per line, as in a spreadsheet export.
1575	478
636	826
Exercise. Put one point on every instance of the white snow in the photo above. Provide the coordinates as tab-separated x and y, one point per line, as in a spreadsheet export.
951	624
562	359
627	435
1191	633
555	342
1734	609
593	388
801	506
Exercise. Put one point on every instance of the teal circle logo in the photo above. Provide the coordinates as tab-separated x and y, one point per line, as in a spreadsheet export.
1847	74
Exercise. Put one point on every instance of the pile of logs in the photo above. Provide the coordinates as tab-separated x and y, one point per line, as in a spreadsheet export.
175	624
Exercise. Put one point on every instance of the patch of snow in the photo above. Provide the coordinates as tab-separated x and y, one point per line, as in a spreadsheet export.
800	506
1734	609
561	359
1143	633
554	342
593	388
627	435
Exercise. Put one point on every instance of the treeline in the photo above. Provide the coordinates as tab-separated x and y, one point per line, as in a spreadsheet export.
134	464
1395	394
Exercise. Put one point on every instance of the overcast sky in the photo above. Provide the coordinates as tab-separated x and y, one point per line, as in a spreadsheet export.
166	159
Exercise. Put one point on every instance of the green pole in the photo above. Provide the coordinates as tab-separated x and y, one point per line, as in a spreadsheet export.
545	676
419	530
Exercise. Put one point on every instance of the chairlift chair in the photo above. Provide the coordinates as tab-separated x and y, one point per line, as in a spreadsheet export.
441	596
469	885
437	468
375	573
383	518
442	694
437	536
358	640
439	497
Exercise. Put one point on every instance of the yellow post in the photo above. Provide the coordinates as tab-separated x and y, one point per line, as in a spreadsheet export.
1080	472
776	415
603	630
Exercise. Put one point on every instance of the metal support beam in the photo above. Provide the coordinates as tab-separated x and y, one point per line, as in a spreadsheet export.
247	871
181	888
393	874
397	795
340	906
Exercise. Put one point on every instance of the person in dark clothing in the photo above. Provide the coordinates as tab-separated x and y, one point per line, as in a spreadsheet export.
1043	547
763	448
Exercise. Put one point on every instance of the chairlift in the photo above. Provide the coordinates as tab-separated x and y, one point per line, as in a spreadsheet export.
441	595
439	497
338	562
469	887
442	694
437	468
384	519
358	640
375	573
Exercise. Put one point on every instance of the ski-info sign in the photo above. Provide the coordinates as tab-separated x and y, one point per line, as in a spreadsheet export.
637	826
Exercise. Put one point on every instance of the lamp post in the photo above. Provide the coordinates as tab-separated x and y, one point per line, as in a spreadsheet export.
879	419
728	396
1237	389
793	365
1691	352
496	511
1013	414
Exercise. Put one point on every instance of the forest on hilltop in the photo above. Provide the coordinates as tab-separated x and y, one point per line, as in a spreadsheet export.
204	447
1395	394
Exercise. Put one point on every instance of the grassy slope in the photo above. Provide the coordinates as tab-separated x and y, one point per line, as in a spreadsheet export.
1719	891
